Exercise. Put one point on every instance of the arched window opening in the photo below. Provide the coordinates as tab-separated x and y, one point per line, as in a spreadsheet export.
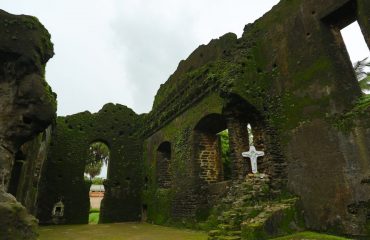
225	153
163	165
96	171
212	149
97	163
247	127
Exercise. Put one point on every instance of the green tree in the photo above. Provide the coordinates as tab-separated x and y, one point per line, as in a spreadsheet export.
98	154
97	181
93	169
225	153
363	75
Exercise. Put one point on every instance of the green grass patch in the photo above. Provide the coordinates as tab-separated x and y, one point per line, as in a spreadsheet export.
118	231
94	217
311	236
94	210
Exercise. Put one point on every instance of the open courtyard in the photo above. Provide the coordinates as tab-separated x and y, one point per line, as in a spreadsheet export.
118	231
144	231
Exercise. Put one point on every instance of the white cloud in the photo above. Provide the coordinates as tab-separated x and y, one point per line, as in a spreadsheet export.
121	50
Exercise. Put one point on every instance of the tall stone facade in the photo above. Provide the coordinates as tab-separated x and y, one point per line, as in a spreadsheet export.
288	80
289	76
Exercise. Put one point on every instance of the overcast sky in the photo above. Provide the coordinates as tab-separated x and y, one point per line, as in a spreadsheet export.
120	51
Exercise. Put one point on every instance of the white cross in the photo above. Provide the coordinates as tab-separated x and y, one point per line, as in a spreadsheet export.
253	154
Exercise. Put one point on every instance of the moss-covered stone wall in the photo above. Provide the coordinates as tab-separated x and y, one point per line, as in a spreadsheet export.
292	69
185	195
27	108
63	176
289	76
26	172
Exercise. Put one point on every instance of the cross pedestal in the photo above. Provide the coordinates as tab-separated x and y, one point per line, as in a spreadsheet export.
253	154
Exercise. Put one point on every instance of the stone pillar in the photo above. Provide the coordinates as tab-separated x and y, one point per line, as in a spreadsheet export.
275	159
363	17
239	142
209	157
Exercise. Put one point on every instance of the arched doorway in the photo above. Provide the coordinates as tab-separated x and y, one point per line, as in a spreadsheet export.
211	141
96	170
163	165
248	126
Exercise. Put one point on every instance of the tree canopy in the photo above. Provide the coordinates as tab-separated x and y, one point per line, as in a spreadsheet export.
362	70
98	154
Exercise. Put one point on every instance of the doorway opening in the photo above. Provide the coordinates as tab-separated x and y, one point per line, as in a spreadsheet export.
212	149
225	152
347	30
163	165
96	171
359	54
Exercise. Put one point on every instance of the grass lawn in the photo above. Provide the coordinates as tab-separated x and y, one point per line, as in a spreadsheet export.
94	218
118	231
144	231
310	236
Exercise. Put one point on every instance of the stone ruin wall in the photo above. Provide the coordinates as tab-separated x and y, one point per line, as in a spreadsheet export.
63	176
27	108
290	69
289	76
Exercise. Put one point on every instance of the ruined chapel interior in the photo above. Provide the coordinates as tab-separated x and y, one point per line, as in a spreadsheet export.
286	86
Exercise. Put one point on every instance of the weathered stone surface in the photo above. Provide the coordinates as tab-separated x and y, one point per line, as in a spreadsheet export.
30	161
290	77
27	104
248	211
27	107
16	223
63	177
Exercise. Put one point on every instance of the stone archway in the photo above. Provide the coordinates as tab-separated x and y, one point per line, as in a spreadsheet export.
163	165
96	168
208	149
248	126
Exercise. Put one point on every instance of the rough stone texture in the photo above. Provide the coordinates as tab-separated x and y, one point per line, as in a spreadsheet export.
163	165
16	223
63	175
247	211
27	104
26	172
290	77
27	107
